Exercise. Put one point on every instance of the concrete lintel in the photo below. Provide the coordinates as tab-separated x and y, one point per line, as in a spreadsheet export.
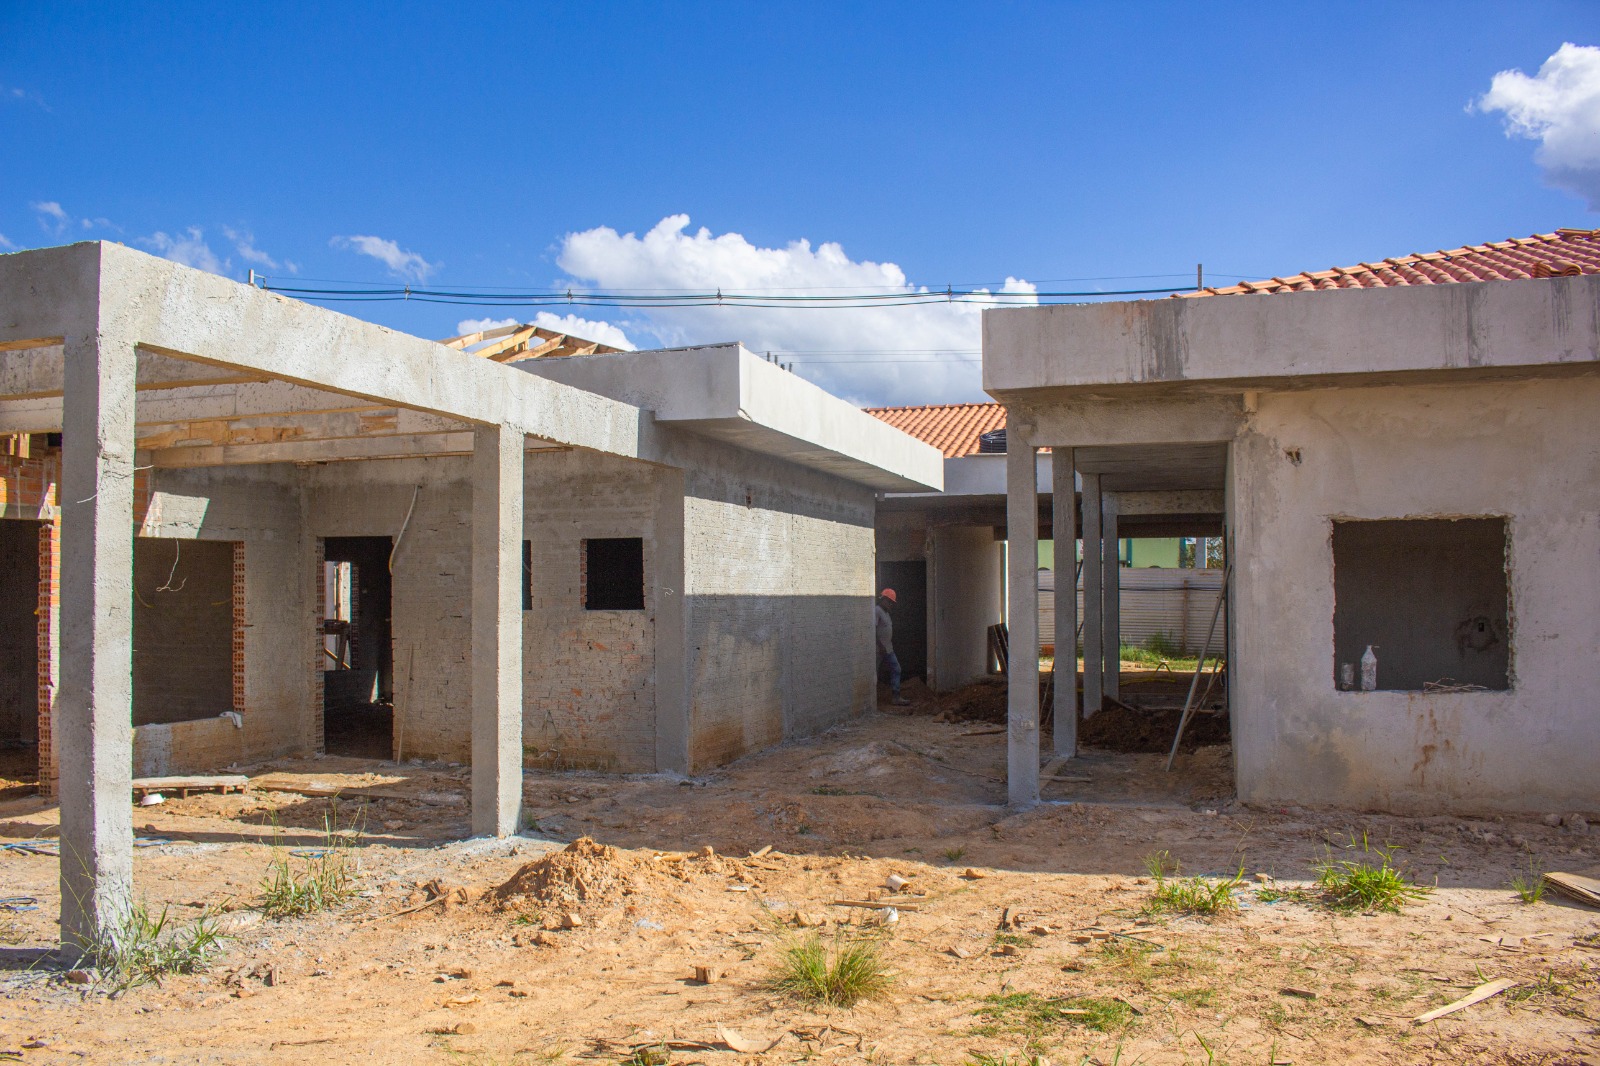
1180	502
1022	592
497	529
94	706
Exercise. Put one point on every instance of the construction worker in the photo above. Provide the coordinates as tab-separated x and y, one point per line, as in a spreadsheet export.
888	665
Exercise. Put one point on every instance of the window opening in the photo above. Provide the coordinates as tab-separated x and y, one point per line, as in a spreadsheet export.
1431	598
613	574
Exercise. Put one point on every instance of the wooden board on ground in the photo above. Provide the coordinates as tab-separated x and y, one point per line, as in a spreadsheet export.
1575	887
143	786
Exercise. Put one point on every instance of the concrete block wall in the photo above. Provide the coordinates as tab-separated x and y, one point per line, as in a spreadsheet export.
1523	450
430	609
779	585
204	745
257	510
589	676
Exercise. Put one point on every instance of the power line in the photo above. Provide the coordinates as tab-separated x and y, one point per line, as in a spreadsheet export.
664	300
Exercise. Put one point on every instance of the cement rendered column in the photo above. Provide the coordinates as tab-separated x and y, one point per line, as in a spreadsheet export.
94	706
1064	525
1110	596
1093	613
1022	578
671	607
497	454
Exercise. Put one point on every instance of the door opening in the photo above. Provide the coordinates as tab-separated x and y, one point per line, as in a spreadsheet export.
357	647
910	614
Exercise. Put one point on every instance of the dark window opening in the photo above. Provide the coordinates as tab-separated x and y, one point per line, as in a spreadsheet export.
182	629
1430	596
613	571
19	655
527	575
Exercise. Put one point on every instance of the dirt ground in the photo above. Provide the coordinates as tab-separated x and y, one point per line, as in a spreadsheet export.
1001	913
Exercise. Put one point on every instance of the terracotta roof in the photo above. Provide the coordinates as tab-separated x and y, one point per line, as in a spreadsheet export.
953	428
1564	253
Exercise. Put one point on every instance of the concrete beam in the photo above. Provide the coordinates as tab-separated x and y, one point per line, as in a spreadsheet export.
1022	590
37	372
1409	334
1064	523
197	404
497	527
315	451
273	429
1092	421
94	707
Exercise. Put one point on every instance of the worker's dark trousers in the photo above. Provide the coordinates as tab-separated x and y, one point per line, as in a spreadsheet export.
889	671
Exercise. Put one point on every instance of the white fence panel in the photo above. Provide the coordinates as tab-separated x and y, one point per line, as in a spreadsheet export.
1176	603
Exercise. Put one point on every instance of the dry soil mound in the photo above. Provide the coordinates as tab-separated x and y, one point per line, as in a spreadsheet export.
581	872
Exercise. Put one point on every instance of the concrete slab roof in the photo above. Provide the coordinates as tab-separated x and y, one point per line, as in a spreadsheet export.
724	392
1420	333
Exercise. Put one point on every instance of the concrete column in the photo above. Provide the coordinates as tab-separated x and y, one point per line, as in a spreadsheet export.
1022	581
94	706
1110	596
672	658
1093	614
1064	522
497	488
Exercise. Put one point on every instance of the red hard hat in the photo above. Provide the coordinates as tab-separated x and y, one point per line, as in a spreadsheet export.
888	594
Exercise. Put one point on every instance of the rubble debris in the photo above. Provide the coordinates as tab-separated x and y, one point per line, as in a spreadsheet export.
584	872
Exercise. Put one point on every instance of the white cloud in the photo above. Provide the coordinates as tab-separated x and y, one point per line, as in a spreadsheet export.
189	248
245	244
7	244
53	218
1560	108
13	94
925	353
588	329
402	264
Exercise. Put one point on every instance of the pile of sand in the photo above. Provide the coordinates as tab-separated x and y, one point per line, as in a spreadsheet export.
583	872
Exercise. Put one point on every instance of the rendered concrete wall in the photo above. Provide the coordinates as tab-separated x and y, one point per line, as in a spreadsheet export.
1526	451
967	600
779	584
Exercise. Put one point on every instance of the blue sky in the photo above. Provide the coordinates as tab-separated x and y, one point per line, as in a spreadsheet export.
516	145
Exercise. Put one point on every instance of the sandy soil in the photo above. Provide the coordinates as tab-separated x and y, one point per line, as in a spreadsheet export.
487	977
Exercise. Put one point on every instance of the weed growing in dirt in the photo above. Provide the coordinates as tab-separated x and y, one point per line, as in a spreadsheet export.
853	970
1529	884
1548	986
141	947
10	931
954	854
659	1055
1369	882
1034	1016
324	878
1019	940
1188	895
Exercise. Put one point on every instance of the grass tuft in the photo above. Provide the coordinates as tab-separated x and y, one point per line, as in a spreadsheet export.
1188	895
142	947
321	879
1369	882
954	854
1529	884
853	970
1032	1015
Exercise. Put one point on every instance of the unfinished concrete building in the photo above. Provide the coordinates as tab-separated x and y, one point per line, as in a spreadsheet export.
1408	460
237	526
945	552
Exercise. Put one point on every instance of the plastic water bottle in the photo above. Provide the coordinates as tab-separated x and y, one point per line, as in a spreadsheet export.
1369	670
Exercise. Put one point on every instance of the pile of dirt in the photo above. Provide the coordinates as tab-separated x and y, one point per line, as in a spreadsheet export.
583	872
1150	731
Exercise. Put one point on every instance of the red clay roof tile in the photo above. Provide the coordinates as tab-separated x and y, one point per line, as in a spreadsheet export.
953	428
1566	253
